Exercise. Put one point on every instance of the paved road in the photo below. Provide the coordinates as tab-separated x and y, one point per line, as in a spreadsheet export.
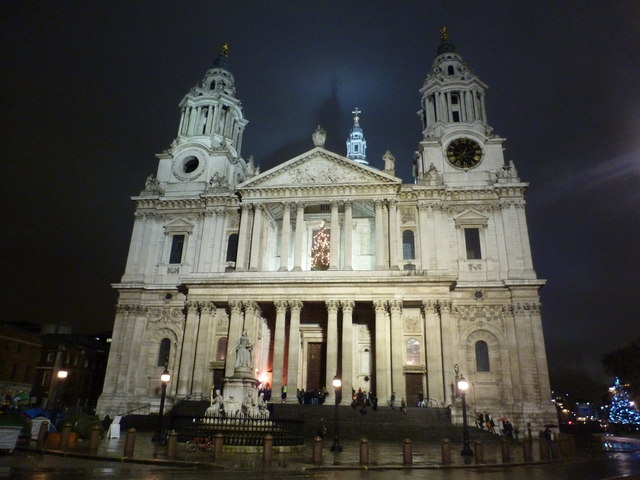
33	466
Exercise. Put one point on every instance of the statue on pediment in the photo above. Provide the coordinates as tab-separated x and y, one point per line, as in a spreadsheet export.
319	136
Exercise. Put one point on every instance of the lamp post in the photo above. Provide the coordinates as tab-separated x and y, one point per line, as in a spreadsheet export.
463	386
164	380
336	447
58	404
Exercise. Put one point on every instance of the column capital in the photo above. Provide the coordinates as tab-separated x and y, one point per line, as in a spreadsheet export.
395	306
281	306
347	305
380	305
250	305
235	306
295	305
332	305
192	307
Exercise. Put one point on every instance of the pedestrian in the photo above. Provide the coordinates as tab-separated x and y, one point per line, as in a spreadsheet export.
392	401
403	406
322	429
421	399
374	401
480	421
283	393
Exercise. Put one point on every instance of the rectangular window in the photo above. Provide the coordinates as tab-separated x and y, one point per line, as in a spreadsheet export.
472	242
177	244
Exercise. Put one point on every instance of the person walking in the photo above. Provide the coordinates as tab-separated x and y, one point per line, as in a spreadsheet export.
403	406
392	401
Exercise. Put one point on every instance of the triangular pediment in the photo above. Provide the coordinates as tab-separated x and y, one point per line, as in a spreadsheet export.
179	225
319	167
471	217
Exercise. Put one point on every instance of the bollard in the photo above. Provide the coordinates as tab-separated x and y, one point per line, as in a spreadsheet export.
317	450
527	451
94	438
42	435
407	452
267	449
506	451
129	442
64	436
446	452
478	452
364	451
218	446
172	444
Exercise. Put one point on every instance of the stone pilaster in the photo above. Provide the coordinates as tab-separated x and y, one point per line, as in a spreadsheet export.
398	347
346	372
278	351
185	377
332	347
294	349
383	379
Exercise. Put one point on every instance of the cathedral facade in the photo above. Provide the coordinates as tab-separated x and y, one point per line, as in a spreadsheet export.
333	267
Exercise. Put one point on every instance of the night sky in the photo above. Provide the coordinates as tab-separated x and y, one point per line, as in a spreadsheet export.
90	93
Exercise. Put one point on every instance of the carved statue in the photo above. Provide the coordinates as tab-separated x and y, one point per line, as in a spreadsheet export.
389	160
216	407
432	173
151	184
243	352
319	136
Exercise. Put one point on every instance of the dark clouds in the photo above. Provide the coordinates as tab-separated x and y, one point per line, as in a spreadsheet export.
90	94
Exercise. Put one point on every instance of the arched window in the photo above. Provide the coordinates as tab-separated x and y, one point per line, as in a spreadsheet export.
232	248
482	356
221	351
164	352
413	352
408	245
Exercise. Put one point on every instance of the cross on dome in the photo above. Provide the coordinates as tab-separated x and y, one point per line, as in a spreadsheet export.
356	118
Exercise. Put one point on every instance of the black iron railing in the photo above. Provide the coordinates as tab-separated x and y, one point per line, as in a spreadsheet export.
239	431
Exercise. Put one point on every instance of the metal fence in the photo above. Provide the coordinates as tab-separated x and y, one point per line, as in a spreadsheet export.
239	431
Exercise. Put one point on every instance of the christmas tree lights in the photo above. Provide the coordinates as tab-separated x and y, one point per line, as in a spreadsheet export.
320	249
622	409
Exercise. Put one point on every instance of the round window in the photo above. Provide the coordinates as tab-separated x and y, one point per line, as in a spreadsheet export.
190	164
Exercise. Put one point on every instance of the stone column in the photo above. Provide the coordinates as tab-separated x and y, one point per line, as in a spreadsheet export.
383	380
334	253
187	360
207	323
256	246
347	350
243	237
285	237
393	236
205	250
435	369
297	261
348	236
332	348
447	347
278	350
235	330
294	349
380	254
116	356
537	337
397	347
215	264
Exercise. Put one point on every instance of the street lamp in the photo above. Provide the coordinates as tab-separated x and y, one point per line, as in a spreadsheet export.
58	404
463	386
336	447
164	380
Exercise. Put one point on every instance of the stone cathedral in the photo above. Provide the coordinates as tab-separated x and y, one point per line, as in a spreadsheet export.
333	267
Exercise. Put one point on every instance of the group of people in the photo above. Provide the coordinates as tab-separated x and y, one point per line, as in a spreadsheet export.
360	400
485	422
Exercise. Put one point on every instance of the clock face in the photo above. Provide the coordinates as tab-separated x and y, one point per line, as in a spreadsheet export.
464	153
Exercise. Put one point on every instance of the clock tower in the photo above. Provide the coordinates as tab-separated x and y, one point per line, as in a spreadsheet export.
458	145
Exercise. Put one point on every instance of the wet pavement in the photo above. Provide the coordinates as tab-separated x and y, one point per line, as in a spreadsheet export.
386	460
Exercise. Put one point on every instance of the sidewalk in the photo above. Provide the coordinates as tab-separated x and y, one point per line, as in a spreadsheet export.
381	455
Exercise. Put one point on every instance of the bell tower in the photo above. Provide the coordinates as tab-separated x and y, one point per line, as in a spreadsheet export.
356	143
458	145
206	153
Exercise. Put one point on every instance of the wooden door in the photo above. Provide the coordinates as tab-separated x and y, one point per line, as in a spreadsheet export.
414	387
315	366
